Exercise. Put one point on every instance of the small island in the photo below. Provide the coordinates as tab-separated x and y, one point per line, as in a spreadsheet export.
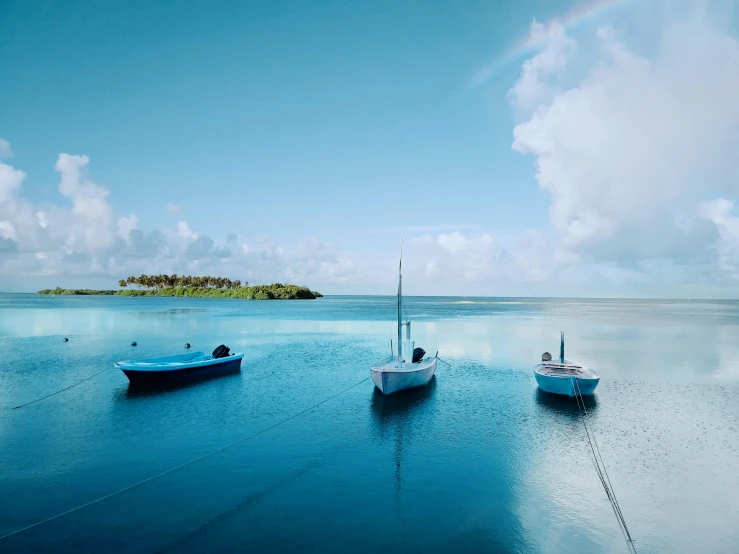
196	287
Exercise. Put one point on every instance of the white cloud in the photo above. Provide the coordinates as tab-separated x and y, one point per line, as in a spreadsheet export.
173	208
5	151
432	268
629	152
41	219
719	211
454	256
10	181
94	216
126	225
534	84
7	231
184	231
88	239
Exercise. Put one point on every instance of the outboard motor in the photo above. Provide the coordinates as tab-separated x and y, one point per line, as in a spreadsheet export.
418	354
546	357
221	351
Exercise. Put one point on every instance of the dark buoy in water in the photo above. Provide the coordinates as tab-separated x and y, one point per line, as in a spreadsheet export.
187	345
66	339
133	343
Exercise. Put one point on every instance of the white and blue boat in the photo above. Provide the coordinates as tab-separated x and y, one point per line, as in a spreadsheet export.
411	368
564	376
193	365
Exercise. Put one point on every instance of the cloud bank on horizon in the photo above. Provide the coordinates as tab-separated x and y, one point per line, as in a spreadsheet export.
633	149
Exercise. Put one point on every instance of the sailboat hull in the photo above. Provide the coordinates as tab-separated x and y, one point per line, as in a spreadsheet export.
554	381
389	378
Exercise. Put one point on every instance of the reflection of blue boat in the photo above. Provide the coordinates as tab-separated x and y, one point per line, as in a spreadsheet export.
185	366
563	376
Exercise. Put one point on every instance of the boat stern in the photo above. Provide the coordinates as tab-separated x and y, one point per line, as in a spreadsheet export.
587	386
565	386
377	379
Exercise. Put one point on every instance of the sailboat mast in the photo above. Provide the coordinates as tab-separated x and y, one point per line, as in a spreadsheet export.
400	301
562	347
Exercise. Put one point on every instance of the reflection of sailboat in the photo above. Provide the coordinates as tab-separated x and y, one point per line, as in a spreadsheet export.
557	403
394	412
395	409
409	369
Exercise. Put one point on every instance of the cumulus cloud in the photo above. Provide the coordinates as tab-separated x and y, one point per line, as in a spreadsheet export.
630	151
184	231
720	212
480	258
94	216
10	181
538	72
87	239
126	225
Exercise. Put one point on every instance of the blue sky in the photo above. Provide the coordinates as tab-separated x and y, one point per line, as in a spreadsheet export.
290	141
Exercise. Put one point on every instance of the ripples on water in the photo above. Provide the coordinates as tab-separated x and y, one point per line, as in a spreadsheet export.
479	460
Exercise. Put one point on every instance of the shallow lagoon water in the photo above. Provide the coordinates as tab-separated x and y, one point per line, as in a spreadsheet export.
477	461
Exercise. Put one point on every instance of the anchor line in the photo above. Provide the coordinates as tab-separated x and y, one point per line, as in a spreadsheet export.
602	472
181	466
605	471
605	481
61	390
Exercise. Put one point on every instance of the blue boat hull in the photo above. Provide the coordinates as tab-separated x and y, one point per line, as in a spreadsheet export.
565	386
150	377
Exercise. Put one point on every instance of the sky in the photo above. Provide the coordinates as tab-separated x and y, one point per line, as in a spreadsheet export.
525	148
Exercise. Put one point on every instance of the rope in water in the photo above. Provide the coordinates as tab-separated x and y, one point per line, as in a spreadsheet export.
443	362
61	390
182	466
602	472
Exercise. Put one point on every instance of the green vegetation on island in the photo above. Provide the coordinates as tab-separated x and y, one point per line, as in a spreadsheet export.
196	287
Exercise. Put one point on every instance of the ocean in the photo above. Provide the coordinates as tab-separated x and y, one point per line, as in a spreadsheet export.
298	452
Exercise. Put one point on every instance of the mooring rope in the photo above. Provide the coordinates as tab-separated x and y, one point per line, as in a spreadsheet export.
61	390
182	466
443	362
605	471
602	473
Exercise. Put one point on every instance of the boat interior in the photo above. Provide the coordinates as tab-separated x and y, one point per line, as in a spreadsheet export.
391	364
563	369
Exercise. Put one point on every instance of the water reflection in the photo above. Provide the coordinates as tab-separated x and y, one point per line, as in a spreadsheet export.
399	412
564	404
156	388
393	409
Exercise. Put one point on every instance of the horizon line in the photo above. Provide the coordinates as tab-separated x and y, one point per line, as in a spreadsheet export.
683	299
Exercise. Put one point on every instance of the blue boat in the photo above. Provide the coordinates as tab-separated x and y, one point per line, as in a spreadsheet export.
193	365
564	376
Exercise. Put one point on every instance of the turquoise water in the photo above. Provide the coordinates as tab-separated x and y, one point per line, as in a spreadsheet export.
477	461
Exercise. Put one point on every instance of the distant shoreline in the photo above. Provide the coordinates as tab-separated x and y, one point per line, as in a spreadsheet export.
276	291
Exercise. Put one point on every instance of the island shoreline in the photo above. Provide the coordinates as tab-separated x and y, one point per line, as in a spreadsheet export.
275	291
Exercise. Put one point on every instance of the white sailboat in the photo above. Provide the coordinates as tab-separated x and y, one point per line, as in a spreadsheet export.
564	376
409	369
